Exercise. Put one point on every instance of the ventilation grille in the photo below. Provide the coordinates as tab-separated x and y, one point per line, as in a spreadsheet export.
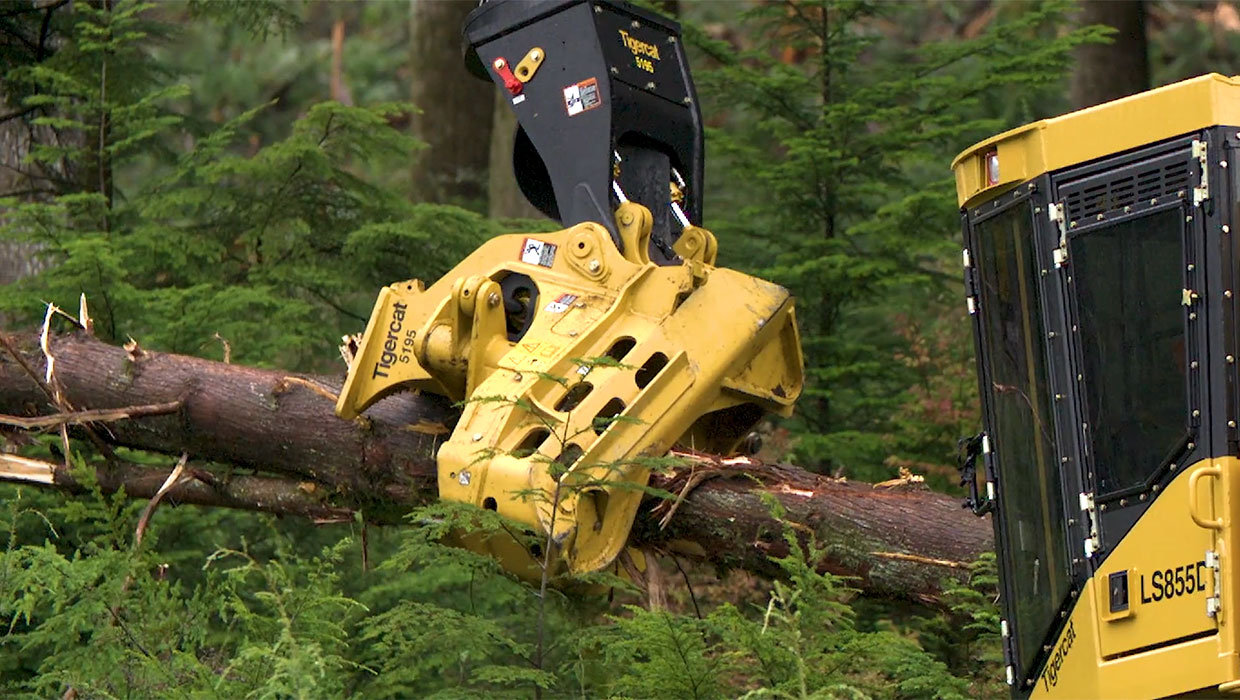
1141	183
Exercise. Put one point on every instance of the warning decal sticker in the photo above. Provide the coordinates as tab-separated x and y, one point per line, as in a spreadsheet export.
582	97
537	252
561	304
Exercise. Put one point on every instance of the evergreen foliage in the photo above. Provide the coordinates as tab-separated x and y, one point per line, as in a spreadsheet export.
281	248
842	133
190	207
112	620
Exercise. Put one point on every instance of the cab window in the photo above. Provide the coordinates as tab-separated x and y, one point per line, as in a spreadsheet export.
1128	279
1020	426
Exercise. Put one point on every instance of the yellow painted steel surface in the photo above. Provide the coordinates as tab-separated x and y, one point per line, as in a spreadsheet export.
679	353
1107	129
1166	643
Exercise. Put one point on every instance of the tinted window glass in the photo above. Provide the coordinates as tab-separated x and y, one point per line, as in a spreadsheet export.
1128	283
1020	427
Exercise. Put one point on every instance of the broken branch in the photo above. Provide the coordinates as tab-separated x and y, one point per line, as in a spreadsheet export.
91	416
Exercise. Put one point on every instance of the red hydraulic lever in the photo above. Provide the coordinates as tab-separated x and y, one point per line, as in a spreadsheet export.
513	85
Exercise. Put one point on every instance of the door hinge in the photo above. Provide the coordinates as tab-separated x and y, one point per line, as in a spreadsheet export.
1006	643
970	298
989	467
1201	152
1214	602
1091	543
1055	212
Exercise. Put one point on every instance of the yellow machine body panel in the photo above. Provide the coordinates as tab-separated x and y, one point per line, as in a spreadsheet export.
1025	152
607	363
1166	642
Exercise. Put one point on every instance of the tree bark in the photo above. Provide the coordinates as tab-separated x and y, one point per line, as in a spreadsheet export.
895	542
27	37
454	117
1105	72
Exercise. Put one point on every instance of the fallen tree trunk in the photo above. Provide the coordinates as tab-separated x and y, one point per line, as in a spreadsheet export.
899	542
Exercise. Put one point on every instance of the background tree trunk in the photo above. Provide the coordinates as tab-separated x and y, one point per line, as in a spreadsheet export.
455	107
23	181
27	37
897	542
18	179
1105	72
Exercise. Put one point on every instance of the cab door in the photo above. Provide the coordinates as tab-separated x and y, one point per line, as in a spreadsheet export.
1130	237
1023	447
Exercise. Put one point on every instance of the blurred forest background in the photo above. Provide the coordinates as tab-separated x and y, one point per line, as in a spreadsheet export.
240	177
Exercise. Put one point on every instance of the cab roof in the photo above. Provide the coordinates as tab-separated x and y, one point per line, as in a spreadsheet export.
1112	127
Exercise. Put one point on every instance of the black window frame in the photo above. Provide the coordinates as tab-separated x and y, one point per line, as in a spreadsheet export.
1177	454
1118	510
1029	196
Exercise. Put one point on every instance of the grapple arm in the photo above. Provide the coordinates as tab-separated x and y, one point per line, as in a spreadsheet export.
621	360
579	355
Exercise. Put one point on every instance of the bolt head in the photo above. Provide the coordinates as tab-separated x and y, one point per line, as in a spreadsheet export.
595	266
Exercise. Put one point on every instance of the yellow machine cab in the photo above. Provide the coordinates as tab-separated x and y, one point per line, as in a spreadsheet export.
1101	273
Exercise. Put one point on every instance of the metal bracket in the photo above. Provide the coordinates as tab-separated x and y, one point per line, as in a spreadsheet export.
969	449
529	65
1213	603
1092	543
1202	192
1055	212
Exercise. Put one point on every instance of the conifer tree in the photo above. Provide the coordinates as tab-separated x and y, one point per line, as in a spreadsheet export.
277	252
842	136
183	231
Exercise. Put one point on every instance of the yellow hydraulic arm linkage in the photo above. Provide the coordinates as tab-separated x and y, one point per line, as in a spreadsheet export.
700	354
579	355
